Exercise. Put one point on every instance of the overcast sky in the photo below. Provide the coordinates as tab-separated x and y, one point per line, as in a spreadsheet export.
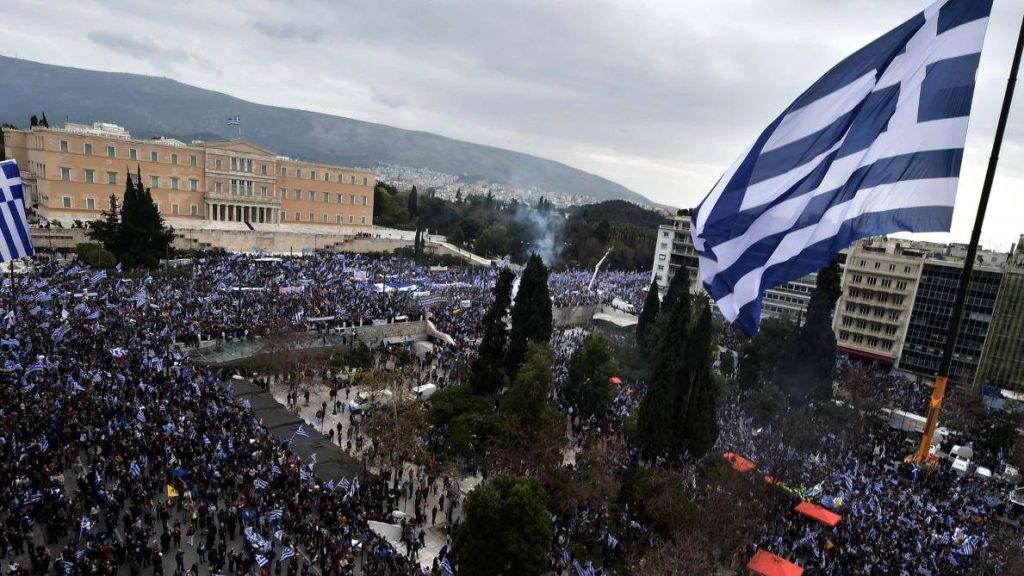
660	96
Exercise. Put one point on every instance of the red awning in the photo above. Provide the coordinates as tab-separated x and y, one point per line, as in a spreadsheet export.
767	564
739	463
813	511
615	380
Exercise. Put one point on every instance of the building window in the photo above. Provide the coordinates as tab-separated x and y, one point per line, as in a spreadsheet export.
365	201
351	219
327	197
154	182
325	217
878	265
365	181
67	201
88	148
363	219
312	174
907	269
220	163
312	217
248	166
341	198
298	194
111	177
174	183
901	285
263	169
194	209
90	176
298	172
90	203
218	187
174	158
337	219
327	176
298	217
352	198
234	186
284	170
154	156
234	164
174	209
263	191
193	161
341	178
65	174
111	151
284	193
133	154
193	185
352	179
64	146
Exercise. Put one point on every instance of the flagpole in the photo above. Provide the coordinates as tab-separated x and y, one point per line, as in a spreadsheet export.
956	318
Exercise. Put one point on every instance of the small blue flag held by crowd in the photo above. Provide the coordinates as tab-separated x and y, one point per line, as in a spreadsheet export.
873	147
15	241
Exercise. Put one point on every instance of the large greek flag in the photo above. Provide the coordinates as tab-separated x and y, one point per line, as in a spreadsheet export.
873	147
15	241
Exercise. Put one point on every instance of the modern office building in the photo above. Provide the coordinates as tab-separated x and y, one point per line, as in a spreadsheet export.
929	320
873	312
1002	360
69	173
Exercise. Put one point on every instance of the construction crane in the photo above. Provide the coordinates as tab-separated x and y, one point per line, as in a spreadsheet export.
598	268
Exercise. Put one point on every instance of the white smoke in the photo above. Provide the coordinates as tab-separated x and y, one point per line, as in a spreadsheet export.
544	226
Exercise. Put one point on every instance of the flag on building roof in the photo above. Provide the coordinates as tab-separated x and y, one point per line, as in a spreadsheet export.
873	147
15	240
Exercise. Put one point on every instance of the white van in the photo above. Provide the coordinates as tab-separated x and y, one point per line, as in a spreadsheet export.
425	391
366	400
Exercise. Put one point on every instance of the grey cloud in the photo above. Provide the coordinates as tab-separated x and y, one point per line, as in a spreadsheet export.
135	47
145	49
289	31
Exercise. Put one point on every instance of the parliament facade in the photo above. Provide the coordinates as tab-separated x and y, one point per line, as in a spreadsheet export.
70	173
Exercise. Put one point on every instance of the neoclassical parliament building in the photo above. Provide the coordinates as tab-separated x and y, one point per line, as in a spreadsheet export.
70	173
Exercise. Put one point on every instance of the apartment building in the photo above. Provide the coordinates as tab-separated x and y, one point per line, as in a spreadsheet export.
873	312
1002	360
70	173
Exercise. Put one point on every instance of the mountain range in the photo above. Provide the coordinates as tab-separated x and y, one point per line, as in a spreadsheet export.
150	106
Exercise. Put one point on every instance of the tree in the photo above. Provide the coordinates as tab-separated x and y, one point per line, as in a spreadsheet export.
413	204
525	403
588	385
809	356
531	315
494	240
141	236
507	529
679	285
657	419
644	324
457	236
488	373
699	427
104	231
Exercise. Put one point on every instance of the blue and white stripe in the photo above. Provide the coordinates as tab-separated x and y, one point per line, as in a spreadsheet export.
873	147
15	240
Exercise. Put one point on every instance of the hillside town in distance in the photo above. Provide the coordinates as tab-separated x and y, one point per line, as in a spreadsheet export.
243	339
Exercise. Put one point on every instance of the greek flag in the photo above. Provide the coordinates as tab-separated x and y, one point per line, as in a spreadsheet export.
136	471
612	542
44	444
97	277
873	147
86	524
235	121
261	560
312	461
968	547
15	241
261	484
447	566
330	485
36	366
343	484
33	498
141	416
276	514
286	554
302	432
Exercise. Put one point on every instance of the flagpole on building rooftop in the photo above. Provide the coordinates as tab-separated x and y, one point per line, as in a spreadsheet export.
956	318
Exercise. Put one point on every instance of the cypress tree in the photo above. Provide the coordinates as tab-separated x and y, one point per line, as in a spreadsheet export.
648	315
531	315
698	427
141	236
487	375
804	368
679	284
660	408
413	204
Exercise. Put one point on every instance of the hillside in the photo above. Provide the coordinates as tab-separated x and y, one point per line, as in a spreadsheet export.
150	106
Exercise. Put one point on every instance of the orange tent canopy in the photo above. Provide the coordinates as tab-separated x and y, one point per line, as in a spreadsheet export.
826	517
739	463
767	564
615	380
